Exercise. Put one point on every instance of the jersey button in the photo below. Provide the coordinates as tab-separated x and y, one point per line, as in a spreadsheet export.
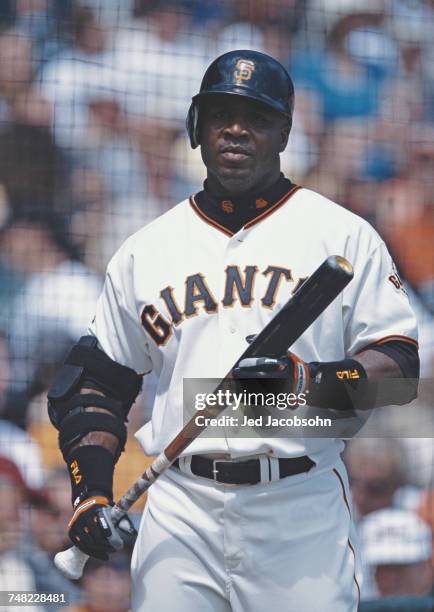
232	329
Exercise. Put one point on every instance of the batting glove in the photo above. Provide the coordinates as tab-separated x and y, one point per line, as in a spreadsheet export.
289	370
93	530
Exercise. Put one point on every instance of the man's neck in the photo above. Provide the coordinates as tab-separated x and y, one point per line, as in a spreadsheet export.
234	212
216	190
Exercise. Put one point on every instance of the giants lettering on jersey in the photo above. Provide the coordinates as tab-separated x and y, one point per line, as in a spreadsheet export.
198	295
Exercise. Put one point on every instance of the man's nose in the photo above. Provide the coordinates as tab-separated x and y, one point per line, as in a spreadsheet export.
236	126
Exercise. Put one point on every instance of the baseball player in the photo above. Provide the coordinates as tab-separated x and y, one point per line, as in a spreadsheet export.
236	524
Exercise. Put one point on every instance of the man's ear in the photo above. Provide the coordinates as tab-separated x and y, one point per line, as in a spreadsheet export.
284	135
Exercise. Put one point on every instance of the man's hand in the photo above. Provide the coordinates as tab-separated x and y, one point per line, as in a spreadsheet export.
290	371
93	531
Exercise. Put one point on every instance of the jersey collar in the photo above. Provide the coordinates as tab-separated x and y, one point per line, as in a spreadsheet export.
230	215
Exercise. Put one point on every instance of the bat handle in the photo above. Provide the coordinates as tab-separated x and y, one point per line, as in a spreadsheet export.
71	562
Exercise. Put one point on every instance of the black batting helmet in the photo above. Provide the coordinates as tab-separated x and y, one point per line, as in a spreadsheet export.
244	73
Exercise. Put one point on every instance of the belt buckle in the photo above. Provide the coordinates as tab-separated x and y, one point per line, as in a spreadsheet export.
215	471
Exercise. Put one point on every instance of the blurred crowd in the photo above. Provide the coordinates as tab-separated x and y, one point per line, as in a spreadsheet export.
93	99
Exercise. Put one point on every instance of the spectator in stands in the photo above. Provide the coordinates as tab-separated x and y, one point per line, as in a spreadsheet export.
18	447
13	408
30	163
49	518
396	544
15	444
119	151
66	80
425	510
15	573
39	21
106	585
92	221
405	97
11	283
160	58
374	469
331	172
15	68
344	75
4	369
42	321
405	213
109	13
273	25
113	147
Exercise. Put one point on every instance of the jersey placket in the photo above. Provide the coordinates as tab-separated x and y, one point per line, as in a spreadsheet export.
230	339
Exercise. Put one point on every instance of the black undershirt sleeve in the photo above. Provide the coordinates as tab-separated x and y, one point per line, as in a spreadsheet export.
403	353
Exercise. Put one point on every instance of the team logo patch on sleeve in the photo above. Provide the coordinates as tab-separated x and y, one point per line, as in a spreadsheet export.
396	281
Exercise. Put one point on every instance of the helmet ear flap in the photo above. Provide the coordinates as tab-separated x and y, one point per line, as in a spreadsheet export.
192	124
288	127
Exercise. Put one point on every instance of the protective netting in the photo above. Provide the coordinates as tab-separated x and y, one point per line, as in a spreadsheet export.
93	100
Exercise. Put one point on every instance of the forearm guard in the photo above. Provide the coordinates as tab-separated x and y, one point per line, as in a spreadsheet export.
104	409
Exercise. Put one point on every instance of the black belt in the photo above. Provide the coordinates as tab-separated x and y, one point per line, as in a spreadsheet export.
244	472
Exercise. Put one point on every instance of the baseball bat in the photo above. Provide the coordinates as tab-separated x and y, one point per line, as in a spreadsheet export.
287	325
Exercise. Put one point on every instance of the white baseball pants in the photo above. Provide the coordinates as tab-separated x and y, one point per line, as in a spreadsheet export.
287	545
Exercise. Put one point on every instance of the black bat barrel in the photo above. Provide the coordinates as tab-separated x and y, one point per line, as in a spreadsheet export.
307	303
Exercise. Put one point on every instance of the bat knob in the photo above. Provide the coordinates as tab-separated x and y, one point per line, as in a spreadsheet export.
71	562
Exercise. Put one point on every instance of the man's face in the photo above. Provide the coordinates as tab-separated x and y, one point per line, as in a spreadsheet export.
372	485
107	589
240	142
49	523
405	579
11	527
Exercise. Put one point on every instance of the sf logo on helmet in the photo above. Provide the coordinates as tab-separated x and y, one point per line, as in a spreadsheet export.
243	70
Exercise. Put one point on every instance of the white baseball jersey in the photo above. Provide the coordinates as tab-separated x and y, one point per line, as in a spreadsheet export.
182	294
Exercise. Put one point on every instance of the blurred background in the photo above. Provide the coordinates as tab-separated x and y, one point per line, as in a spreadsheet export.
93	99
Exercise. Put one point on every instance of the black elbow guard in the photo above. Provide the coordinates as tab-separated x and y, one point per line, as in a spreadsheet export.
70	410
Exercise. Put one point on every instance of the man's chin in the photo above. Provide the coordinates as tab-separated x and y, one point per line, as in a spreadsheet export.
236	180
